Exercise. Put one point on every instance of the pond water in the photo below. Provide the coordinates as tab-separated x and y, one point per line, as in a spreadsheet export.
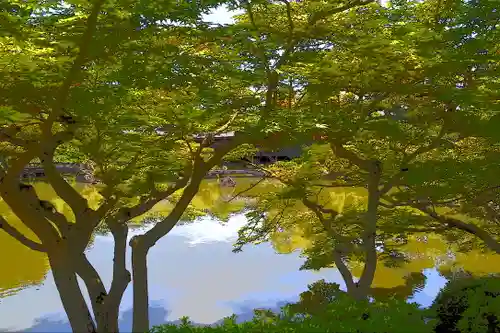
192	272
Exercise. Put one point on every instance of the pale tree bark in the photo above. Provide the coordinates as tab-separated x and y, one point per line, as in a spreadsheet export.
27	207
64	267
140	287
106	305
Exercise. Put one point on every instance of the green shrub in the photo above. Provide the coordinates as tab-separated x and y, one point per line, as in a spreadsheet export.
468	305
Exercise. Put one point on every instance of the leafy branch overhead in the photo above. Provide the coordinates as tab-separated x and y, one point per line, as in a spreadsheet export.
394	109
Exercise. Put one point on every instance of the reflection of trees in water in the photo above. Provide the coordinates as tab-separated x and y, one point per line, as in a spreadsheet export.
29	268
213	199
21	267
414	283
321	293
401	262
402	278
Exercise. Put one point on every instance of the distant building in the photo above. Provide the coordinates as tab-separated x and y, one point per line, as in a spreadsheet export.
262	156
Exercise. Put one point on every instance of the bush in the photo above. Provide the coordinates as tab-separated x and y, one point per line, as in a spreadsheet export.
468	305
340	315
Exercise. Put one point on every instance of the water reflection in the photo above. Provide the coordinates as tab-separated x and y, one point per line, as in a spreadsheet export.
21	266
192	273
157	315
434	283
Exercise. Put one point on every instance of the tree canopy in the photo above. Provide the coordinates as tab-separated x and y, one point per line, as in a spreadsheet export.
395	108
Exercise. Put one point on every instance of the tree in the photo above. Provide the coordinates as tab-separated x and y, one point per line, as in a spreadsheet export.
459	189
67	95
126	96
391	124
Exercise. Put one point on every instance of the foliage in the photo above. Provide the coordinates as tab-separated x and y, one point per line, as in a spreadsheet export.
411	88
468	305
399	101
113	84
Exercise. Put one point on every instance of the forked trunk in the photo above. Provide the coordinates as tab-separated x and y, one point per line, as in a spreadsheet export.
71	296
361	289
121	279
106	305
355	290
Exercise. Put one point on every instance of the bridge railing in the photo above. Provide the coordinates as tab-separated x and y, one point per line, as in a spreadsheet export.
58	165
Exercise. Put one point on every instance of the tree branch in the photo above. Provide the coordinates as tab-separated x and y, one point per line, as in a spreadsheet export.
413	229
289	17
327	225
127	213
75	68
319	211
78	204
409	158
26	206
121	275
59	220
340	151
343	269
224	127
246	190
93	282
470	228
200	169
321	15
262	53
338	185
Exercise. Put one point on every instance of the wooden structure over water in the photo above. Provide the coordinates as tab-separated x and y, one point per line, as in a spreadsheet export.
83	174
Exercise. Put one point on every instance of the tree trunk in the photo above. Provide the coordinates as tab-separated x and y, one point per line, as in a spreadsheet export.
353	289
141	245
140	285
106	305
369	234
121	279
92	280
344	271
71	296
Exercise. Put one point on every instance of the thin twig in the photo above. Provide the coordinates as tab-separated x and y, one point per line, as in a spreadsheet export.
246	190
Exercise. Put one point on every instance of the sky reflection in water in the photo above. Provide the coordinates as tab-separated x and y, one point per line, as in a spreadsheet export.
192	272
